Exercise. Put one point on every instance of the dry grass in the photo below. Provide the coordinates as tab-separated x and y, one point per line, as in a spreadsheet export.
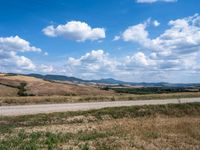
84	98
152	133
41	87
175	127
8	91
20	78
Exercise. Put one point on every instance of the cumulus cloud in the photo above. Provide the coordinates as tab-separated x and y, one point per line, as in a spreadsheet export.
10	60
15	43
96	62
75	30
172	48
139	59
153	1
182	38
174	52
138	33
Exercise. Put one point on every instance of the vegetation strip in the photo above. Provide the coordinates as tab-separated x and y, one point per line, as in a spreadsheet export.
191	109
69	99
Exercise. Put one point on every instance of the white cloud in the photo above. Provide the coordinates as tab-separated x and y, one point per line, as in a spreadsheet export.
139	59
175	52
75	30
15	43
183	37
153	1
172	48
156	23
136	33
10	59
99	64
116	38
46	68
24	62
96	62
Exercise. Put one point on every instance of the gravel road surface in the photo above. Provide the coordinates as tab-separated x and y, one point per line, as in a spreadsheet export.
49	108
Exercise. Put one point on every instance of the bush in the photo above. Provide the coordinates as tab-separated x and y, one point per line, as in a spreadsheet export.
106	88
22	90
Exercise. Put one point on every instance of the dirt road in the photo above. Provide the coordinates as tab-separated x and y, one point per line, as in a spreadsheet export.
49	108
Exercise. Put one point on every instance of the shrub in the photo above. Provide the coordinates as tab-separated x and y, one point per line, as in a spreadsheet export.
22	90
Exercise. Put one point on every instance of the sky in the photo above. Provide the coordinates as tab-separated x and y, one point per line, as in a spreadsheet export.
129	40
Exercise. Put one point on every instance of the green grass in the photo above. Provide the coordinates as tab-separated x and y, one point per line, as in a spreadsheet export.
6	128
39	140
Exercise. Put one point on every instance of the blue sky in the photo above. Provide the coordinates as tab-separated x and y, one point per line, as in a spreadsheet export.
131	40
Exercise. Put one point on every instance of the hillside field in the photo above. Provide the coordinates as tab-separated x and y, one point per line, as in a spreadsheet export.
31	86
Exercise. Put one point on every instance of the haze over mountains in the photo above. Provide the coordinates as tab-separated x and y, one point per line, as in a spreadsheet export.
106	81
111	81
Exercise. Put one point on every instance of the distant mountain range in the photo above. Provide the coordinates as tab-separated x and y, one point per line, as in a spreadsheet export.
110	81
56	77
76	80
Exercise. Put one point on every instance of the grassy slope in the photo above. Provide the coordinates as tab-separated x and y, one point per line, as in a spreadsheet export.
142	127
8	91
41	87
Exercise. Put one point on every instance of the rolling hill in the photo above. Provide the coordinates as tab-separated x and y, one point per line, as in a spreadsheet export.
40	87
